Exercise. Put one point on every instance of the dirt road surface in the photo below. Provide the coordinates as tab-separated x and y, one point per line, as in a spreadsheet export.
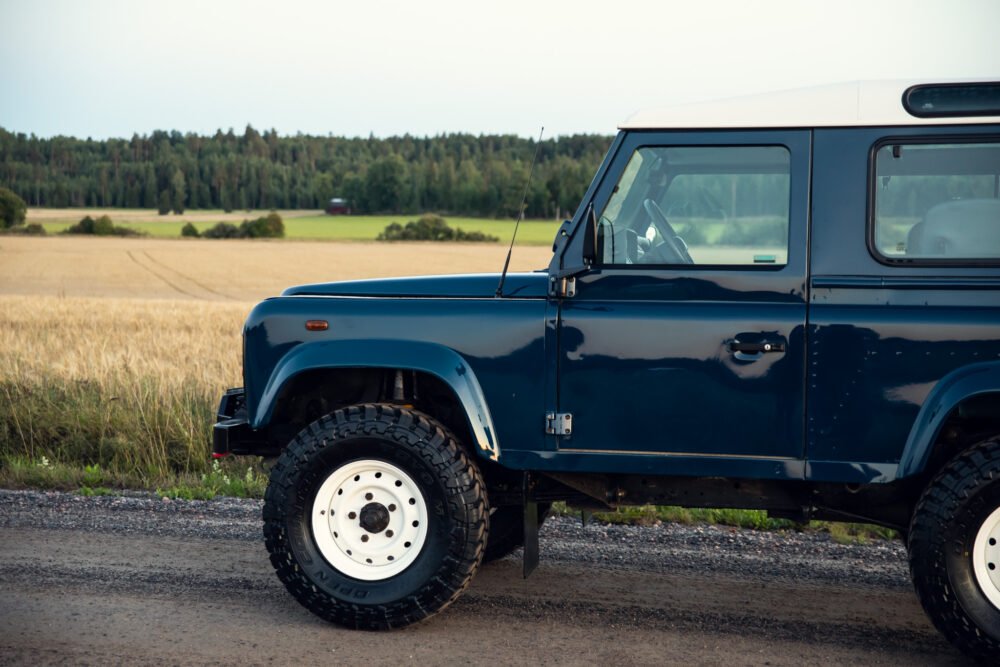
139	580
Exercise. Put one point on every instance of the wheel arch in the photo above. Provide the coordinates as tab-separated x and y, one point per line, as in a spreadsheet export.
944	404
329	358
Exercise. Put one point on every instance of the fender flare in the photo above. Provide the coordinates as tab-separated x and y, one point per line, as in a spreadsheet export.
952	389
438	360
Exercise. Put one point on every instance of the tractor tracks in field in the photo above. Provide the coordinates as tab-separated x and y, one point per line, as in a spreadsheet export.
178	281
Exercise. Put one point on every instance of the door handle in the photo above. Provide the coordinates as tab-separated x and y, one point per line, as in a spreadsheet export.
757	348
751	346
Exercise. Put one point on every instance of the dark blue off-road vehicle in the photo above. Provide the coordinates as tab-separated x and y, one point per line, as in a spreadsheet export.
789	303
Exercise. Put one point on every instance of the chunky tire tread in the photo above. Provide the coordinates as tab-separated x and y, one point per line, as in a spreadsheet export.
415	434
934	519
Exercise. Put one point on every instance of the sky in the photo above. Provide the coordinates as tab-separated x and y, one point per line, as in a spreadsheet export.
111	68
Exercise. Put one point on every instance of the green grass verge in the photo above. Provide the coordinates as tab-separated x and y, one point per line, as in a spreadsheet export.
650	515
233	478
345	228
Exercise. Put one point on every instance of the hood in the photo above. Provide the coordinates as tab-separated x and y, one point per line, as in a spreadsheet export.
479	285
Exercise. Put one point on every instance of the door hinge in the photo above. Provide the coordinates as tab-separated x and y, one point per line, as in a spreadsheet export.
558	423
562	287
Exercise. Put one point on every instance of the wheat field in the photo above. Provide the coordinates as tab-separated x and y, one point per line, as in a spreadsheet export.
114	352
236	270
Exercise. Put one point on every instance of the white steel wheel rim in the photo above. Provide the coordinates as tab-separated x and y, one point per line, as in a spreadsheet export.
986	558
369	520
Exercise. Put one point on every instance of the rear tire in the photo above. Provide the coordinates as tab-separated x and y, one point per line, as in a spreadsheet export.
954	546
375	517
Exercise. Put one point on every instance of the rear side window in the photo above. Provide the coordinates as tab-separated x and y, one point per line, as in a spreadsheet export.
937	203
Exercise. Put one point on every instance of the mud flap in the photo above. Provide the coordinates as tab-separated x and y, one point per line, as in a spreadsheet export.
530	559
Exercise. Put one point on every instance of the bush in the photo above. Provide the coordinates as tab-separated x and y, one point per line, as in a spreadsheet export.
34	229
269	226
189	230
223	230
12	209
430	227
462	235
103	226
85	226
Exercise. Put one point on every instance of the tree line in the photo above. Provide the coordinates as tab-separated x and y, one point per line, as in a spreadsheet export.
458	174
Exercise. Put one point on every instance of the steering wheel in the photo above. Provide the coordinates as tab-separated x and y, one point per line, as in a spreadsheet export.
671	241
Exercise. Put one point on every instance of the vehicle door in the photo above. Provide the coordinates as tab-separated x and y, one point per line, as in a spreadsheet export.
685	339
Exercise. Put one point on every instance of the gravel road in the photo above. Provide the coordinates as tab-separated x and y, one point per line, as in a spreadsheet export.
139	580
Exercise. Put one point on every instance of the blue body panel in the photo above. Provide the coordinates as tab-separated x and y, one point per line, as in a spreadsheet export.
517	285
499	364
881	337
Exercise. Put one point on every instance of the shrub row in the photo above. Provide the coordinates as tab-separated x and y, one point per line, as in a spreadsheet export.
269	226
430	227
34	229
102	226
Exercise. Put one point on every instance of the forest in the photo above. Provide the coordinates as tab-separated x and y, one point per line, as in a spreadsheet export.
457	174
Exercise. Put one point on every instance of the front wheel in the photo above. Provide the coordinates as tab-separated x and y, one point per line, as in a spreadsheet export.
954	545
375	517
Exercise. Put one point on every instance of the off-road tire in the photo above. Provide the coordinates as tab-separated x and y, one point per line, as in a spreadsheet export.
943	530
507	530
453	491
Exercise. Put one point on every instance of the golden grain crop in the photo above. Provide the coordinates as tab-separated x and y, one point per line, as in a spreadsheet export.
113	352
107	340
125	384
240	270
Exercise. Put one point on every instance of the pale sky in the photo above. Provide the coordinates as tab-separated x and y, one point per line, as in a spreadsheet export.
103	68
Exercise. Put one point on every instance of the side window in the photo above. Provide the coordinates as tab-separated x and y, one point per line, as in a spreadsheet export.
937	202
707	205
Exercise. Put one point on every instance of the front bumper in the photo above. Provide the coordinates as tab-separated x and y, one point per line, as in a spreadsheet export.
232	433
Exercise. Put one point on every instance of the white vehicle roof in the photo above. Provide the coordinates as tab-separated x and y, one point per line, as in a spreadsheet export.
856	103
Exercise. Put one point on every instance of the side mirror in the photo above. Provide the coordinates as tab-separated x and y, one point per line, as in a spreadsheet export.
590	236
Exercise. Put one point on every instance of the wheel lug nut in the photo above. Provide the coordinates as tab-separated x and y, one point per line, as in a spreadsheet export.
388	533
368	496
352	515
364	538
392	508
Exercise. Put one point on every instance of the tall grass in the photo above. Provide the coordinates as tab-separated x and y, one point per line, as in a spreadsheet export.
126	385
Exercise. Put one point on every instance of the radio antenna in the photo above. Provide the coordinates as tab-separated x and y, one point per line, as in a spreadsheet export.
520	212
